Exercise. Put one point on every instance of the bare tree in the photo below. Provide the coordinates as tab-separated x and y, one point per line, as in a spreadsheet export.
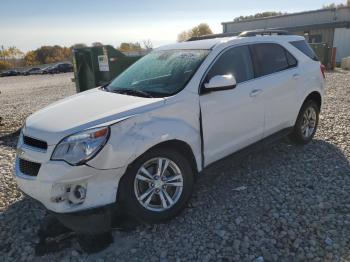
147	44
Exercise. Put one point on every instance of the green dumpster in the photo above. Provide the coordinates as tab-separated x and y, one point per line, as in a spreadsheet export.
98	65
323	52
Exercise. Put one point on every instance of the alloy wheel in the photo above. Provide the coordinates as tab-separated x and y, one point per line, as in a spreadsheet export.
158	184
309	122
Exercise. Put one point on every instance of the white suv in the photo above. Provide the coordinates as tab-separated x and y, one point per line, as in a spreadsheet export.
139	142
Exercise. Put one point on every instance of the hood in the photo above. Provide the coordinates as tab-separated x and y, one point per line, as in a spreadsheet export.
85	110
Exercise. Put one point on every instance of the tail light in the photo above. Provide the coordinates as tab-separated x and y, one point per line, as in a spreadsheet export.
323	69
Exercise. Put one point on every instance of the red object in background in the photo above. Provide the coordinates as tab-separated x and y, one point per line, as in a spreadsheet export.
323	69
334	55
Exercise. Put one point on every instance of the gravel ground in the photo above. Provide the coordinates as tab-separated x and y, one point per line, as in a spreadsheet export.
287	203
22	95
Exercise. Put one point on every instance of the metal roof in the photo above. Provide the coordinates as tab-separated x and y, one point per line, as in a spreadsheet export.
336	16
292	14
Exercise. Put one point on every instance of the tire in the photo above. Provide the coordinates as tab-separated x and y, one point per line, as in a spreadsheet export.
299	134
158	209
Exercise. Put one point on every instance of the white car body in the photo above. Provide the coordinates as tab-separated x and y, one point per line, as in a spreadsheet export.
213	125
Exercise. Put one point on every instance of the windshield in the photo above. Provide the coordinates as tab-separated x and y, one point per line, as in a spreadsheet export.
160	73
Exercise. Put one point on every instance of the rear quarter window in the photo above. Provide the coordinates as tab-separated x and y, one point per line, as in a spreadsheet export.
305	48
270	58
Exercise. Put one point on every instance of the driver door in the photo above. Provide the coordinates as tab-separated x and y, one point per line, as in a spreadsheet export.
233	118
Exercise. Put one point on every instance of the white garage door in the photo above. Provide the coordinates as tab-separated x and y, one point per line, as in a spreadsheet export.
342	42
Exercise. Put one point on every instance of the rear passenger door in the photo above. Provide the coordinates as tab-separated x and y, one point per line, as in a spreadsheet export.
277	72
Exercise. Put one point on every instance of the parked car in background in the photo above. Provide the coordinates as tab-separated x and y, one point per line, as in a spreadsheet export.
46	70
30	71
59	68
9	73
38	71
141	141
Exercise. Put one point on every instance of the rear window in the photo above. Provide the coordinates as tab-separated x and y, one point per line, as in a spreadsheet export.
271	58
305	48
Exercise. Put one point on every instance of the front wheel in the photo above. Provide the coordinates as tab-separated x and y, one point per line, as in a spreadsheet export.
306	124
157	186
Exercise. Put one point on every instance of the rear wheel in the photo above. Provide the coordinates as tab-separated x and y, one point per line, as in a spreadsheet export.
157	186
306	124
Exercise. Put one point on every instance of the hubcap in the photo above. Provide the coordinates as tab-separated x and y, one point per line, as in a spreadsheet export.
158	184
309	122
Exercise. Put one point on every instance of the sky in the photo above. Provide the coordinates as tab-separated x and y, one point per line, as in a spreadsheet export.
29	24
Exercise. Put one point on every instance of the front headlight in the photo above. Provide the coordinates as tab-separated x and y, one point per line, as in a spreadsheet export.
81	147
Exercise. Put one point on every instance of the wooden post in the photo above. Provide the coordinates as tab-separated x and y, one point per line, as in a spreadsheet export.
334	55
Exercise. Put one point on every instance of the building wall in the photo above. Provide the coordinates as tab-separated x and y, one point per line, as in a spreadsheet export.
318	17
342	43
322	35
316	26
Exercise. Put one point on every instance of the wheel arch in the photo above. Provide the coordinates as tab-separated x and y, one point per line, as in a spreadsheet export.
315	96
175	144
178	145
296	134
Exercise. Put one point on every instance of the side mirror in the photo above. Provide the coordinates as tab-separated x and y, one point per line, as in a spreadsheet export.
221	82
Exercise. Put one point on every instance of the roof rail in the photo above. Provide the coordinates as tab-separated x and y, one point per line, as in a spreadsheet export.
242	34
263	32
195	38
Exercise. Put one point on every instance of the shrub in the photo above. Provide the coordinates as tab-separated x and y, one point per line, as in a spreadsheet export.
4	65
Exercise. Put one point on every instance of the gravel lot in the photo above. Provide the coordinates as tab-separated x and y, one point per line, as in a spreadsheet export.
287	203
22	95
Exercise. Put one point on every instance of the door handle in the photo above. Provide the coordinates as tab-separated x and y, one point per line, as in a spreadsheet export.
296	76
255	92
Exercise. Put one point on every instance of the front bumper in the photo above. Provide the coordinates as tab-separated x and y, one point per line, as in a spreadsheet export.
56	180
93	221
90	222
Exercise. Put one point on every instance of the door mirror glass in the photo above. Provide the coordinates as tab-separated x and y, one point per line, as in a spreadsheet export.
221	82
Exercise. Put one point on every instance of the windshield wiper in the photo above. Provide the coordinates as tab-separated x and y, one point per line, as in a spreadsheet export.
105	86
130	91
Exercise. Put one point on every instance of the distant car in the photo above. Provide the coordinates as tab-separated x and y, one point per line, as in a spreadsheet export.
46	70
36	72
30	71
9	73
60	68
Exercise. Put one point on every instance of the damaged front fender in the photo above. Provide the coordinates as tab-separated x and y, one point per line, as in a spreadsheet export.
131	138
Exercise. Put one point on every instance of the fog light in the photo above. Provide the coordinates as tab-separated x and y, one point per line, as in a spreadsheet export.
80	192
72	193
77	194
